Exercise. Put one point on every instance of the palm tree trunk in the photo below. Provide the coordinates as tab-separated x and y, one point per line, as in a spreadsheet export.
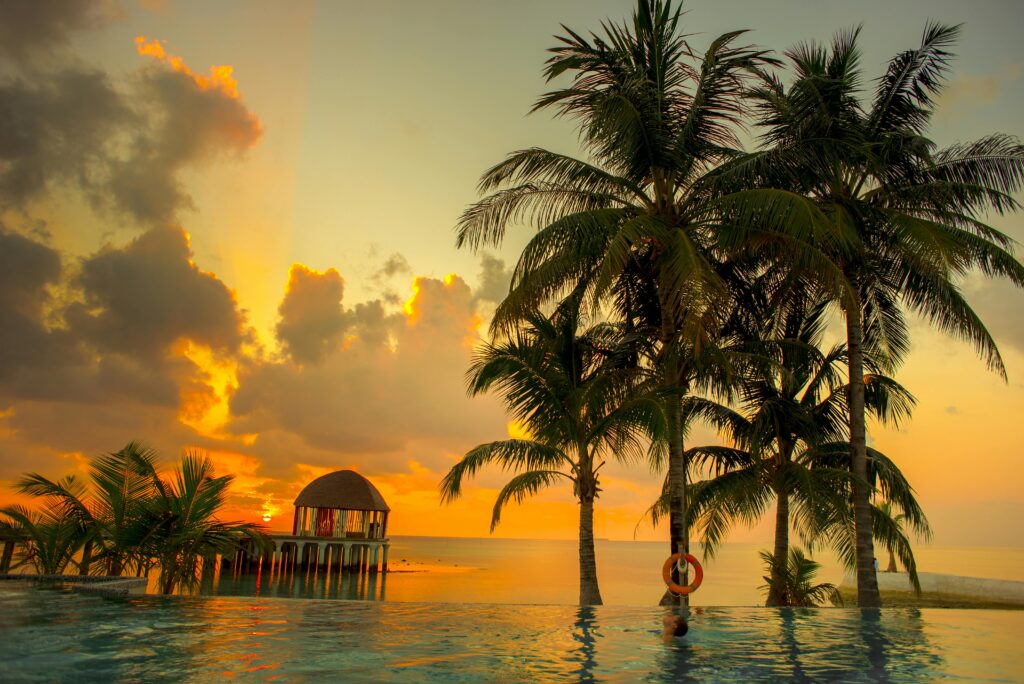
775	591
83	568
892	563
168	577
590	593
867	581
676	489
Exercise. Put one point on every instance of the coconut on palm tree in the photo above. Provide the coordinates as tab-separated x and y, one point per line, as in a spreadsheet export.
573	399
902	219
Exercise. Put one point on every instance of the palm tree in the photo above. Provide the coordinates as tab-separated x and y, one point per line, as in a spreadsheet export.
890	521
900	218
51	538
181	523
792	581
790	425
886	507
640	225
573	398
110	511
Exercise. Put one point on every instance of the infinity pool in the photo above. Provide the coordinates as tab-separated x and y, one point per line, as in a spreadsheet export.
48	635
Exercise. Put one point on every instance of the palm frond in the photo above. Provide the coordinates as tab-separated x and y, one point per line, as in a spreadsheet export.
520	487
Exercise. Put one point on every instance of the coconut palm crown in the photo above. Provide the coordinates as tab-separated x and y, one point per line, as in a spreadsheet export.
637	222
902	219
572	397
790	427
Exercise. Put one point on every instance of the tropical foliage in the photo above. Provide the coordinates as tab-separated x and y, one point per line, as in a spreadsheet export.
637	226
50	539
789	430
718	266
902	219
887	511
129	519
792	581
180	520
109	510
568	390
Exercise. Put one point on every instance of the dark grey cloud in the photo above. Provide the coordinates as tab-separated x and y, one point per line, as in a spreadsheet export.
371	322
494	279
142	298
108	368
58	131
117	342
186	125
27	267
34	28
97	351
396	264
312	319
314	322
28	270
124	145
1000	305
395	385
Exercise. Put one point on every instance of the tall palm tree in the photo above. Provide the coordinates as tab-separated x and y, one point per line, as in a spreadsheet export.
182	527
641	223
902	219
792	421
569	392
892	521
110	511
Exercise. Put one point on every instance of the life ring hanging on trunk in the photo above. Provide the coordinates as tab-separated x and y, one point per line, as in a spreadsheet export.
666	574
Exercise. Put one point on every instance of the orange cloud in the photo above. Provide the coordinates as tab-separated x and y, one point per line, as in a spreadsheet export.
204	403
220	77
443	299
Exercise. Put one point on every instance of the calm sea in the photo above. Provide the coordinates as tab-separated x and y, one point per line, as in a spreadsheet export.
470	570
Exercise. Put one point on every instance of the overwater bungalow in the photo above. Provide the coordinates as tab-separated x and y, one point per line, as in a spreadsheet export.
341	505
340	521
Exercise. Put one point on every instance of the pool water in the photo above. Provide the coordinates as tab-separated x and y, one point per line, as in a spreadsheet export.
49	635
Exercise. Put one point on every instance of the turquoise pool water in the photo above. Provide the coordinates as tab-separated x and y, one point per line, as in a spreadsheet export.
48	635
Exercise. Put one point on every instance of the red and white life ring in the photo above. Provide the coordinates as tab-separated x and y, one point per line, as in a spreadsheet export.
666	574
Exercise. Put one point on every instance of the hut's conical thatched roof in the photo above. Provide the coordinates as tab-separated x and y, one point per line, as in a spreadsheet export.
342	489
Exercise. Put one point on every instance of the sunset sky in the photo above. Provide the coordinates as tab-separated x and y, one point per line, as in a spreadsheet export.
229	226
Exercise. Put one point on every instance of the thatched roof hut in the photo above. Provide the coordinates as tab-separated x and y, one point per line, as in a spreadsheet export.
341	504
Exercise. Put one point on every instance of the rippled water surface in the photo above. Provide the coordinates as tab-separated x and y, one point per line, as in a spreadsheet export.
47	635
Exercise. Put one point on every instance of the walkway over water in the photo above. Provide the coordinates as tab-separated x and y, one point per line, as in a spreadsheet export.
291	553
